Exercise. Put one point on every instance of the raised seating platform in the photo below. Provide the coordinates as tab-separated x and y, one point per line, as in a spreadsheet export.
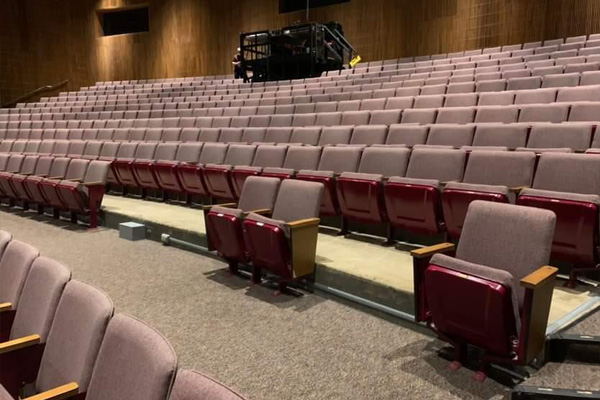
358	266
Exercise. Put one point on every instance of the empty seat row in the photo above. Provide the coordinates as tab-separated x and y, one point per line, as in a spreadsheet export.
60	339
94	144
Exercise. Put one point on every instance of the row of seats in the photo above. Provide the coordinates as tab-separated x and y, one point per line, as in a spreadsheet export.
523	92
60	338
513	79
396	112
72	185
94	143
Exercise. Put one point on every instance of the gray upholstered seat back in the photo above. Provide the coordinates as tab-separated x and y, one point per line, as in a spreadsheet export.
439	164
135	362
39	299
79	325
258	193
384	161
564	172
504	168
512	238
298	200
14	267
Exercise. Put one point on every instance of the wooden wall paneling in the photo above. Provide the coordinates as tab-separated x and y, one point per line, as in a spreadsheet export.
46	41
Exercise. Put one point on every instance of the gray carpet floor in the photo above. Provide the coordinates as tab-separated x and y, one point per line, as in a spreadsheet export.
266	347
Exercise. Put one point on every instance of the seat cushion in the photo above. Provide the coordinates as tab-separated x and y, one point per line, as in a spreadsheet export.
413	181
499	189
584	198
481	271
234	212
362	176
266	220
4	394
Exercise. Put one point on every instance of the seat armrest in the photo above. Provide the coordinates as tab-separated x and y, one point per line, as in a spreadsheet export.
55	178
12	172
73	180
226	205
5	306
517	189
59	393
19	343
93	184
303	223
539	277
539	288
431	250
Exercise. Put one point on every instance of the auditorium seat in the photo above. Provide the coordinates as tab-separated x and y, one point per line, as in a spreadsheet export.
17	165
506	98
49	187
15	264
149	371
555	113
77	331
193	385
575	201
165	171
499	245
191	174
334	161
413	202
285	244
452	135
123	166
536	96
143	169
297	158
360	193
218	177
500	114
267	156
224	222
490	175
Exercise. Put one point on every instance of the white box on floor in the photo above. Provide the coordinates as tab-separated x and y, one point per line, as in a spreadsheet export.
132	231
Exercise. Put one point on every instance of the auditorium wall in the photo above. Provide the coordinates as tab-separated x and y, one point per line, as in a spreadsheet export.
45	41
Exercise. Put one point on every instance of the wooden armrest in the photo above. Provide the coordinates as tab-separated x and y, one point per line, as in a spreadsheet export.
517	189
226	205
5	306
93	184
431	250
59	393
262	211
304	222
19	343
538	277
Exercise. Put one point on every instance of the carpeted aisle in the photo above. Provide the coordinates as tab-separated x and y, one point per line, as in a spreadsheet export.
266	347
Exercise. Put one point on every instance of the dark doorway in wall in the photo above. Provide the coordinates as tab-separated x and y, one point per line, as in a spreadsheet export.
286	6
124	20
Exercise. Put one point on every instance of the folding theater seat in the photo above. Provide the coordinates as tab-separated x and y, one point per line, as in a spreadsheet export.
85	196
69	355
334	161
15	264
123	167
49	186
569	185
144	170
37	305
15	165
33	184
149	371
490	175
474	299
193	385
218	177
224	222
267	156
286	243
451	135
360	194
297	158
165	171
191	174
413	202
